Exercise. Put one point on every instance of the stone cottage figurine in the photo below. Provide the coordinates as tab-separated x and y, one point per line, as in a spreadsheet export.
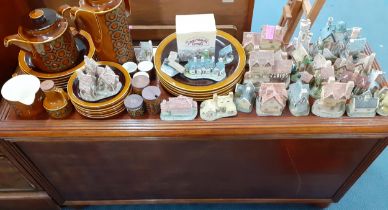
298	95
272	99
178	108
96	82
333	99
244	97
363	105
383	105
218	107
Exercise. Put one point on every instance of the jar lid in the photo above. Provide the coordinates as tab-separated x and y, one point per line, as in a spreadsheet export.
47	85
140	81
40	24
133	101
151	93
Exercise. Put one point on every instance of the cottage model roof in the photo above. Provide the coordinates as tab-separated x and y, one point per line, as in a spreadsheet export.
337	90
298	92
275	91
251	38
365	101
178	105
275	33
262	58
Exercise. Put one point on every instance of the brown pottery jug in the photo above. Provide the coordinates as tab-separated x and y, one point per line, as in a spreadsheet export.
106	21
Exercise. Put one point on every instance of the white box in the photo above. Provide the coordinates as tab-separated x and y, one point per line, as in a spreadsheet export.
195	34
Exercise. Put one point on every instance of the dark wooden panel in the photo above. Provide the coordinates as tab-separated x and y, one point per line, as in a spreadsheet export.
30	201
11	179
190	169
10	18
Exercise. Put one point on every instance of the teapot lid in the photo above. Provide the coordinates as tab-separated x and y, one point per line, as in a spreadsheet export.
41	24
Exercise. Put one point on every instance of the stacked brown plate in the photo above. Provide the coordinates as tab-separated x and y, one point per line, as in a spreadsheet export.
105	108
202	89
85	46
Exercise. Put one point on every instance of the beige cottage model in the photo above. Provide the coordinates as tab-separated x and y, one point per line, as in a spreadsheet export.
218	107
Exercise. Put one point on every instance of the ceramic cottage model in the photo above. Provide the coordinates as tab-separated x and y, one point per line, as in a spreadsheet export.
245	97
205	68
218	107
271	37
383	105
363	105
96	83
298	95
272	99
333	99
178	108
251	41
145	52
195	34
267	66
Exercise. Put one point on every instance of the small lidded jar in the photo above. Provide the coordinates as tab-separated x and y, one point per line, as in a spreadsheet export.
139	82
152	99
56	102
135	105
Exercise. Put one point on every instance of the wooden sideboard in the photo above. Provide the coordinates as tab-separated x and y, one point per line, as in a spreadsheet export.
243	159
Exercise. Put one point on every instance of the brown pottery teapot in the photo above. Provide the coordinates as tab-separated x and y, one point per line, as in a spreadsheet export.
47	36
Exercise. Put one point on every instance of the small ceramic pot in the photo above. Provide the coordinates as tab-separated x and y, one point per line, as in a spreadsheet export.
151	95
131	67
56	102
139	83
135	105
147	66
141	73
24	95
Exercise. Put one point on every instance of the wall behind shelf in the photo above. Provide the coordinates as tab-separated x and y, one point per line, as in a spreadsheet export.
372	17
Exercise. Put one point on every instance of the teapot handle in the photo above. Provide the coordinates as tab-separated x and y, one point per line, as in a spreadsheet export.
128	7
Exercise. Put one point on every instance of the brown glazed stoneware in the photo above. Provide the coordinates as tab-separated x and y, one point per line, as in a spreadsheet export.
47	37
56	102
107	22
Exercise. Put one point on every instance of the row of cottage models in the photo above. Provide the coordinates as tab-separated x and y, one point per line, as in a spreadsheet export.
334	73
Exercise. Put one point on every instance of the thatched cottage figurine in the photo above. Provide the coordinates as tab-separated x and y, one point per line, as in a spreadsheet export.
298	96
244	97
383	105
333	99
178	108
363	105
218	107
271	37
272	99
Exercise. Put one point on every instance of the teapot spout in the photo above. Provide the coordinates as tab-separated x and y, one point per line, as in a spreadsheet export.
18	41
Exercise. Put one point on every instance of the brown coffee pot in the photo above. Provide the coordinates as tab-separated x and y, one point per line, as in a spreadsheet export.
47	36
106	21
